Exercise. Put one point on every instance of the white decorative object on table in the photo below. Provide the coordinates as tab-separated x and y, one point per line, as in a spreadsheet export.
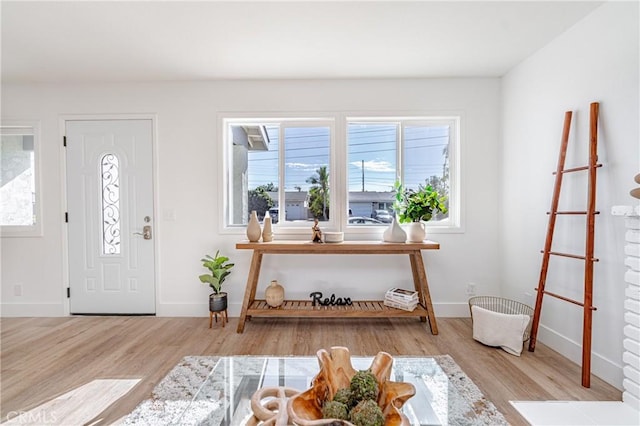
253	228
394	233
269	405
274	294
416	232
267	232
333	237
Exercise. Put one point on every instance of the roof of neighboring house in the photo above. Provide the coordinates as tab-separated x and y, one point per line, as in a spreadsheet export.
371	197
290	196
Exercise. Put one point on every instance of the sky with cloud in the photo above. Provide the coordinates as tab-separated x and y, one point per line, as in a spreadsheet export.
371	149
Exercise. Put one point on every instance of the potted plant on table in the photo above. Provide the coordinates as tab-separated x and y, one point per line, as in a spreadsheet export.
219	268
414	206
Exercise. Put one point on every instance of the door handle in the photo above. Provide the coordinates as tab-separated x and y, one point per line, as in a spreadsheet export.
146	232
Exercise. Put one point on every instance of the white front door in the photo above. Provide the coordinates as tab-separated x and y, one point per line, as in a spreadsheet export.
110	216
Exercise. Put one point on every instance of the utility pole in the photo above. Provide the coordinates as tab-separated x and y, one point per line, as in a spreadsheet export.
362	162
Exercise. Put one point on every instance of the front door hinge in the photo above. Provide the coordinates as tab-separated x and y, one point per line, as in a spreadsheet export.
66	217
64	141
68	292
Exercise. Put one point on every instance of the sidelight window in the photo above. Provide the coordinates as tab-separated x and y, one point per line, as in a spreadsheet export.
109	173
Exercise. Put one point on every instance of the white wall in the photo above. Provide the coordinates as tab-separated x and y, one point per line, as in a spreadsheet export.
594	61
188	183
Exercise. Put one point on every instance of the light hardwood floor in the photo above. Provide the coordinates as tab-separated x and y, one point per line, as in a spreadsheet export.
46	357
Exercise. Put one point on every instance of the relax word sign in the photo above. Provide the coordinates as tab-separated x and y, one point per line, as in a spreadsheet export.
316	298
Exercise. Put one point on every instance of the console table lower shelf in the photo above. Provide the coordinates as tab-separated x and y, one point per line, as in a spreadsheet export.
359	309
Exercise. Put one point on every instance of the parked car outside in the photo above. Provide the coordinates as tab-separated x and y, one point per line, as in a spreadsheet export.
359	220
382	215
273	212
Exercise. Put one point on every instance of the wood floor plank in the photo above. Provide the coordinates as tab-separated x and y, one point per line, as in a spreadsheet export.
43	358
77	407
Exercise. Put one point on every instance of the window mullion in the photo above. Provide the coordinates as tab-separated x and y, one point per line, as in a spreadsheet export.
399	153
282	206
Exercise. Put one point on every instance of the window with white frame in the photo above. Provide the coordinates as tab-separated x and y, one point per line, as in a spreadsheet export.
410	150
280	168
19	207
298	169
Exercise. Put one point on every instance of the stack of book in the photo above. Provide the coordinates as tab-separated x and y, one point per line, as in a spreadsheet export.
401	299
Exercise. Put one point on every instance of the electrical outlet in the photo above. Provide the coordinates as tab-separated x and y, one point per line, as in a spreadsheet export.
17	289
471	289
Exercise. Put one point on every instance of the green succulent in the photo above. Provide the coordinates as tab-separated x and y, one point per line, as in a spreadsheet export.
343	395
220	270
335	410
367	413
416	205
364	385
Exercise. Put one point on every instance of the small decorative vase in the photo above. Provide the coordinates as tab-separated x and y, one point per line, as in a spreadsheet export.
394	233
218	302
267	233
274	294
416	232
253	228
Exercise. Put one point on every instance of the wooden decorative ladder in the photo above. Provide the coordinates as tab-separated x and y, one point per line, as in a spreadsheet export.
589	244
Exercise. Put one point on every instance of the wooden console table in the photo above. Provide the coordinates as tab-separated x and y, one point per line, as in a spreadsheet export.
366	308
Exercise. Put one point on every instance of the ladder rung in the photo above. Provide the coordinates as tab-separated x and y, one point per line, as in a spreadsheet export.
577	169
566	299
573	256
574	212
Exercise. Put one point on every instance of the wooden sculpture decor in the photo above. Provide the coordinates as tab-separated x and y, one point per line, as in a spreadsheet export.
269	406
635	192
336	374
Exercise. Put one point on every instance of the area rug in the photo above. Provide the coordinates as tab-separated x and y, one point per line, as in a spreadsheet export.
175	393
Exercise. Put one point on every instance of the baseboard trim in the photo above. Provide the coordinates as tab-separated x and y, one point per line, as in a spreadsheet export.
191	309
451	310
606	369
32	310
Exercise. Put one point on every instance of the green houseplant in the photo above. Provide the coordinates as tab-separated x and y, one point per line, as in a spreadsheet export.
417	205
219	268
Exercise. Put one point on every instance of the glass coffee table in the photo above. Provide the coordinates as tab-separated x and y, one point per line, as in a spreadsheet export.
224	398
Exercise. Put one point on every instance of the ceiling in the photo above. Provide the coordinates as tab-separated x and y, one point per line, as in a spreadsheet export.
88	41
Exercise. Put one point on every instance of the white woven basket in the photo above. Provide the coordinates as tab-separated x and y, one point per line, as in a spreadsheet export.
503	306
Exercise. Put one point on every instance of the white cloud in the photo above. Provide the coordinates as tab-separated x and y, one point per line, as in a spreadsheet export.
304	166
375	165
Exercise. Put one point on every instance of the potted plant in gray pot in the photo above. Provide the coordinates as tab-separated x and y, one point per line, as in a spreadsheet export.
417	205
219	268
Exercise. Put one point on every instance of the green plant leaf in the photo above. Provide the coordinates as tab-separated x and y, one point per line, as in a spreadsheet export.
417	205
219	268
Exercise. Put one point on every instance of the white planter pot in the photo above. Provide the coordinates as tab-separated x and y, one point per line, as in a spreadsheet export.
394	233
253	228
416	232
